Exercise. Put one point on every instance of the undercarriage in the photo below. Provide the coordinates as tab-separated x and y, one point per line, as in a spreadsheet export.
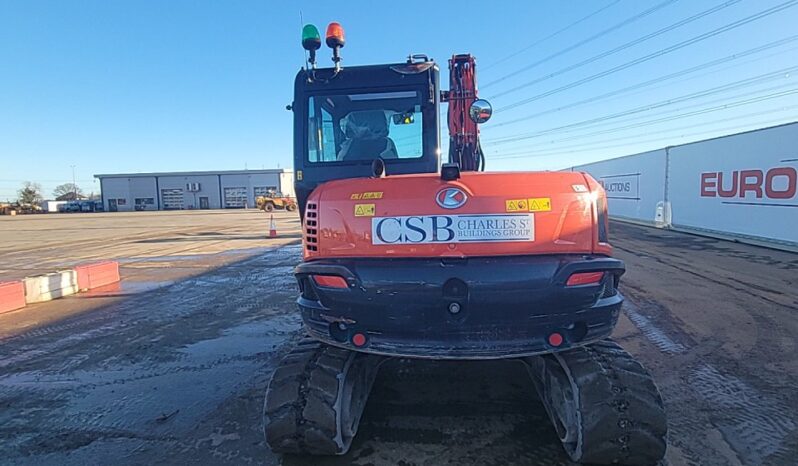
316	398
602	403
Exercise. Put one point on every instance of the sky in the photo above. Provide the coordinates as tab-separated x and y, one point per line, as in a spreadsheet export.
146	86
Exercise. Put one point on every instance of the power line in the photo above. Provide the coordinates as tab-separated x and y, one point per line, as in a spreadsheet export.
603	121
750	97
650	82
760	124
643	108
550	36
585	41
717	108
659	53
667	112
592	144
621	47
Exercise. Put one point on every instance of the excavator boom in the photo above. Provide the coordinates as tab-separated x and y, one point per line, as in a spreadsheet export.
464	147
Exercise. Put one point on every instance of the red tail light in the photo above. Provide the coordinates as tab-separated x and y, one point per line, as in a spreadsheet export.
330	281
584	278
555	339
359	339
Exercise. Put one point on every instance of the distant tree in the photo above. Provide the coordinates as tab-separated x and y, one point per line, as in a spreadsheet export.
67	191
30	193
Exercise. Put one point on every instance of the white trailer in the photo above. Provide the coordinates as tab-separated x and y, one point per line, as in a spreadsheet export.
743	186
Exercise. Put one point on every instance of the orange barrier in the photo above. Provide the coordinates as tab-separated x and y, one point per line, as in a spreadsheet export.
12	296
97	274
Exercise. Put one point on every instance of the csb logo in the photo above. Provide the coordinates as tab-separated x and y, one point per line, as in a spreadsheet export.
451	198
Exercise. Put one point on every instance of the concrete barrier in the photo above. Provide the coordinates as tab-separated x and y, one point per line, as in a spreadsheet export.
97	274
50	286
12	296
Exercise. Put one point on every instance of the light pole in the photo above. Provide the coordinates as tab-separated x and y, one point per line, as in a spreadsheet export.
74	186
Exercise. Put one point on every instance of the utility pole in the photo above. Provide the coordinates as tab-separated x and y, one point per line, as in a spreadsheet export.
74	186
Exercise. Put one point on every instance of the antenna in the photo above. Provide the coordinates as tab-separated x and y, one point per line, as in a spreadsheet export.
305	53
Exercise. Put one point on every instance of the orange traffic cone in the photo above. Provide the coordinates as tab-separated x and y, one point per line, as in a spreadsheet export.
272	227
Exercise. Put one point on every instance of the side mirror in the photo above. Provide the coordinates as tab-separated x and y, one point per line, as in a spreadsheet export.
480	111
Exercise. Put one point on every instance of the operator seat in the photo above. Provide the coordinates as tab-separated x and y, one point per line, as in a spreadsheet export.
367	137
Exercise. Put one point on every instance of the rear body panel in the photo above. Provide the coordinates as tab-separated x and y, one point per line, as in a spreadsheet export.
473	268
369	218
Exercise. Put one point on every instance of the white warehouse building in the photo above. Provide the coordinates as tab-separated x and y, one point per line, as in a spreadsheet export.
235	189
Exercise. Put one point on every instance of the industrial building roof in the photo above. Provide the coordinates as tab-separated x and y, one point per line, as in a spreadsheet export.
198	173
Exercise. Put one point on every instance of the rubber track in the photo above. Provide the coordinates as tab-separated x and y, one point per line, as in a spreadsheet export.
622	414
303	401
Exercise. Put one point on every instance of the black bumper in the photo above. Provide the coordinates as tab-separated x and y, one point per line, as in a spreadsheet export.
508	306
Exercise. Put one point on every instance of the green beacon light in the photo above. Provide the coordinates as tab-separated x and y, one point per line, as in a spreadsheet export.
311	41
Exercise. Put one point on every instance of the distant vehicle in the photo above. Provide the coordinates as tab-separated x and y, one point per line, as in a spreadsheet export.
82	206
30	208
52	206
275	200
71	206
19	208
87	207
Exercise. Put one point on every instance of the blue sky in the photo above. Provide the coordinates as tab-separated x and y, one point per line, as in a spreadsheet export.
129	86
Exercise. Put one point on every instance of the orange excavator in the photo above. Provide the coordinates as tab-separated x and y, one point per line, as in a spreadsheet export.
407	257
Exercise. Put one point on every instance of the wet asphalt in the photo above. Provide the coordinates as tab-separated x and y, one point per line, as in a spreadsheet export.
175	373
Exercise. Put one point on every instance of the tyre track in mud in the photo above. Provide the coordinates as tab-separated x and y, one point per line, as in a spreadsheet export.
176	375
715	416
729	390
103	385
189	294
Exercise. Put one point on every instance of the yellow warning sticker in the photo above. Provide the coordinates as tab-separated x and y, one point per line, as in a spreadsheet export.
367	195
517	205
540	204
364	210
535	204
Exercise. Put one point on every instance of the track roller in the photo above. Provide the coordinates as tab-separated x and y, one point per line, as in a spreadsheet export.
603	404
315	399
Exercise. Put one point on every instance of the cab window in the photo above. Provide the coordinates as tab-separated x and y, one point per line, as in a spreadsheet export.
352	127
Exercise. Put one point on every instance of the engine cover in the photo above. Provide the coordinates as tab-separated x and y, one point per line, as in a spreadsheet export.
479	214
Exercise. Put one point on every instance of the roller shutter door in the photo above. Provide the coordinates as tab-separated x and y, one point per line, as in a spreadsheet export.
172	199
235	198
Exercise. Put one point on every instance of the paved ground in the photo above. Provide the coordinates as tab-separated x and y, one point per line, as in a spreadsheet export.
175	374
155	249
33	244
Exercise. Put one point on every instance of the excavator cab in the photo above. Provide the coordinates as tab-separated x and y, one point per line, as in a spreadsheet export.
365	121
